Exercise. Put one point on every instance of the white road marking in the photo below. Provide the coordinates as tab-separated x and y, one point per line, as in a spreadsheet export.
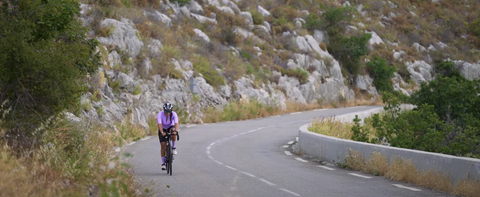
289	143
288	191
275	116
267	182
405	187
359	175
230	167
300	159
131	143
325	167
319	109
296	113
191	126
248	174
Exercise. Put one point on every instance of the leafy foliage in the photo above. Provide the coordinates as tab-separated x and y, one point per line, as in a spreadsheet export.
257	17
313	22
358	131
42	69
382	73
208	71
347	49
445	119
474	28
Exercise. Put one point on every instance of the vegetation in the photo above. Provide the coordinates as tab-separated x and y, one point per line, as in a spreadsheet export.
208	71
43	69
43	73
399	169
348	49
444	121
381	73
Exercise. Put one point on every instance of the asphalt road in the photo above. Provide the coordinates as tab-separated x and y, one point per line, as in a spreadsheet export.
253	158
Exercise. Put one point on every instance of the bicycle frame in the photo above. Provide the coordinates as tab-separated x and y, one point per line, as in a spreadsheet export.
169	154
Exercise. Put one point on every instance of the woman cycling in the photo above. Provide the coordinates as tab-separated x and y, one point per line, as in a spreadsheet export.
167	122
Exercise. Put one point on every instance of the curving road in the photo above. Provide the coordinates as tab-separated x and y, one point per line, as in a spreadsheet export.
253	158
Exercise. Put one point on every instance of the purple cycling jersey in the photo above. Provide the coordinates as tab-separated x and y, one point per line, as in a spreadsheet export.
165	121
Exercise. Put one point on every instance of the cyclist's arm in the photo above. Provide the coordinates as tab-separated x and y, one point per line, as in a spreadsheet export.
160	128
176	126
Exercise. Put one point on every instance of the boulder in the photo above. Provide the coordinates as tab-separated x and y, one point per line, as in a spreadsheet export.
468	70
202	35
364	82
194	7
420	71
123	35
263	11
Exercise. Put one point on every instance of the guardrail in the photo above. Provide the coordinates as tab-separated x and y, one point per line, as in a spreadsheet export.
335	150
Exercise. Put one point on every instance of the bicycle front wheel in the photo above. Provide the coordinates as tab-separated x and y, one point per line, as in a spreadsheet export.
170	161
167	163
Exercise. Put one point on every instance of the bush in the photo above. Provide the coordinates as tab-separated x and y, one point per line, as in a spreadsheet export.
209	72
348	50
257	17
313	22
298	73
381	73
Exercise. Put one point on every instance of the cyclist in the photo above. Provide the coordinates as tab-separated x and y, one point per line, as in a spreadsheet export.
167	122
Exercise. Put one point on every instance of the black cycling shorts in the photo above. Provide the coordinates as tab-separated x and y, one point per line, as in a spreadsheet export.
164	138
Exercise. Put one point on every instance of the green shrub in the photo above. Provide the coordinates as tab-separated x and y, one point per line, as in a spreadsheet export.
381	73
257	17
349	50
298	73
313	22
359	133
209	72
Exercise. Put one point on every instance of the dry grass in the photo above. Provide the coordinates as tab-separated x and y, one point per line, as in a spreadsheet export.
244	110
377	165
72	160
332	127
129	131
469	188
402	170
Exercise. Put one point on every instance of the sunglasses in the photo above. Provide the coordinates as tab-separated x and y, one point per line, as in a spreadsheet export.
168	111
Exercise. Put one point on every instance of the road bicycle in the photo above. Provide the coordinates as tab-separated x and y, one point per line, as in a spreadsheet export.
169	156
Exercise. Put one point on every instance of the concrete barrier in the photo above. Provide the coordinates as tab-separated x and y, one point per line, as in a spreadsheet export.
335	150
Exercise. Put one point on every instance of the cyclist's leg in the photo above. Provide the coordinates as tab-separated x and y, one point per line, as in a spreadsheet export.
174	136
163	146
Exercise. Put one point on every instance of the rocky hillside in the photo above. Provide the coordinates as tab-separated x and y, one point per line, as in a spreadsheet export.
202	53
